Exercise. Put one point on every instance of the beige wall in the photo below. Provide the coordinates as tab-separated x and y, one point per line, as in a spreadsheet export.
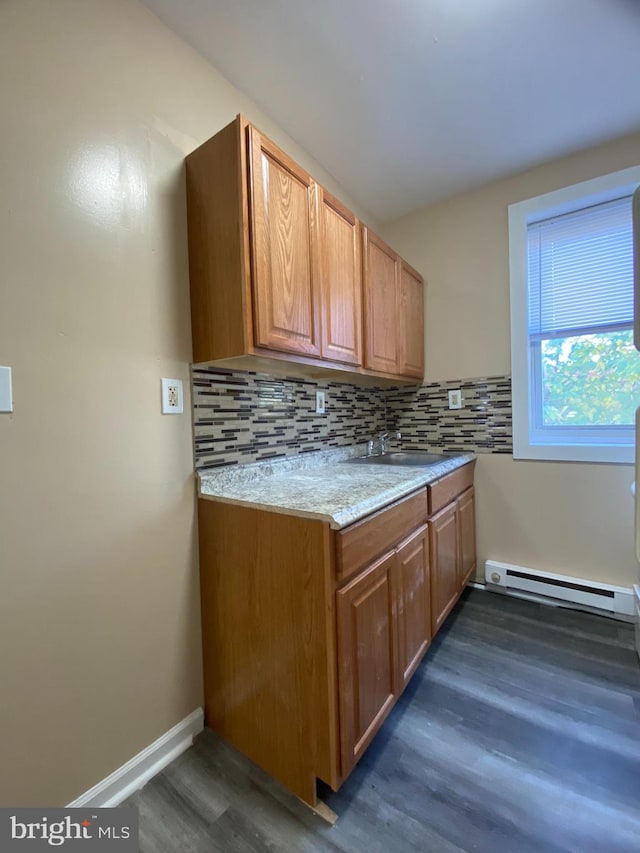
99	623
569	517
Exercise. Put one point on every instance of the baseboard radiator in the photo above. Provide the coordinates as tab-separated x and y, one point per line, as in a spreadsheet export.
561	590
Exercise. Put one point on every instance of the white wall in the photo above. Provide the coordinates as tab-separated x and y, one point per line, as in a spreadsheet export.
569	517
99	611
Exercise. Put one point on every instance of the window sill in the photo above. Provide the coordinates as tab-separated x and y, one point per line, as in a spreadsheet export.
621	455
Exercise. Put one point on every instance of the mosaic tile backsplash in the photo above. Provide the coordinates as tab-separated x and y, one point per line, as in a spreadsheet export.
483	425
243	417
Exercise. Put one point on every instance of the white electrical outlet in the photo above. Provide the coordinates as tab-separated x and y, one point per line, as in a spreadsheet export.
6	394
320	403
455	399
172	397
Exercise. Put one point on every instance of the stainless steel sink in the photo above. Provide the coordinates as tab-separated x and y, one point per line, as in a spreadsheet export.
414	458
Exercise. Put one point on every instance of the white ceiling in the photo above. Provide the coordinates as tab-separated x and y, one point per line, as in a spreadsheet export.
408	101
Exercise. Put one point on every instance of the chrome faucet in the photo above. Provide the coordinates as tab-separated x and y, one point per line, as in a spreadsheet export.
382	443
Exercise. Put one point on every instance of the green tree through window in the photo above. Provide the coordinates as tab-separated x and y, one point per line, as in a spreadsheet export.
590	380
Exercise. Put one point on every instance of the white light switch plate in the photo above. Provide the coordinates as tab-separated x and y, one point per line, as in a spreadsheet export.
172	397
320	403
6	393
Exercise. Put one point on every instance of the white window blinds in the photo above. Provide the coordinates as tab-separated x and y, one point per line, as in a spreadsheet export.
580	271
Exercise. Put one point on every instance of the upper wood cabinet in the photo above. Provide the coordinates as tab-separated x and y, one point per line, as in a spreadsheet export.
410	313
393	311
276	266
284	248
380	286
340	281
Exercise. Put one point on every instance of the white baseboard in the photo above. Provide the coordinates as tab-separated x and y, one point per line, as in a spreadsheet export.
138	770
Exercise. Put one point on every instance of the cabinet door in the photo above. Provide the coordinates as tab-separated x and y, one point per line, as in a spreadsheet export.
367	656
443	536
410	322
340	281
284	251
414	603
466	536
381	272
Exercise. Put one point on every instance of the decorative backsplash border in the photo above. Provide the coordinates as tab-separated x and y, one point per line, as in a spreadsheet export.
241	417
482	425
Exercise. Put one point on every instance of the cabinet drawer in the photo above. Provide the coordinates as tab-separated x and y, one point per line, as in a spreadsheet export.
443	491
359	544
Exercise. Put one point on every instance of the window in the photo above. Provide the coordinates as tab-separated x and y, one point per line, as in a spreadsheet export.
575	370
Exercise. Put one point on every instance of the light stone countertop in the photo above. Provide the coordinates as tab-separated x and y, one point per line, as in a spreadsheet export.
321	485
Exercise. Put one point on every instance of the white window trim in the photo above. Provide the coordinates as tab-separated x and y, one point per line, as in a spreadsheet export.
521	214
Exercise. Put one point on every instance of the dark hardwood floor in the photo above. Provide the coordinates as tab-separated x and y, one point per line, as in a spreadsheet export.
519	733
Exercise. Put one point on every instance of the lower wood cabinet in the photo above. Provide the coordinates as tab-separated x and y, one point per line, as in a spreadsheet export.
414	603
367	656
453	554
444	564
384	629
310	635
466	511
